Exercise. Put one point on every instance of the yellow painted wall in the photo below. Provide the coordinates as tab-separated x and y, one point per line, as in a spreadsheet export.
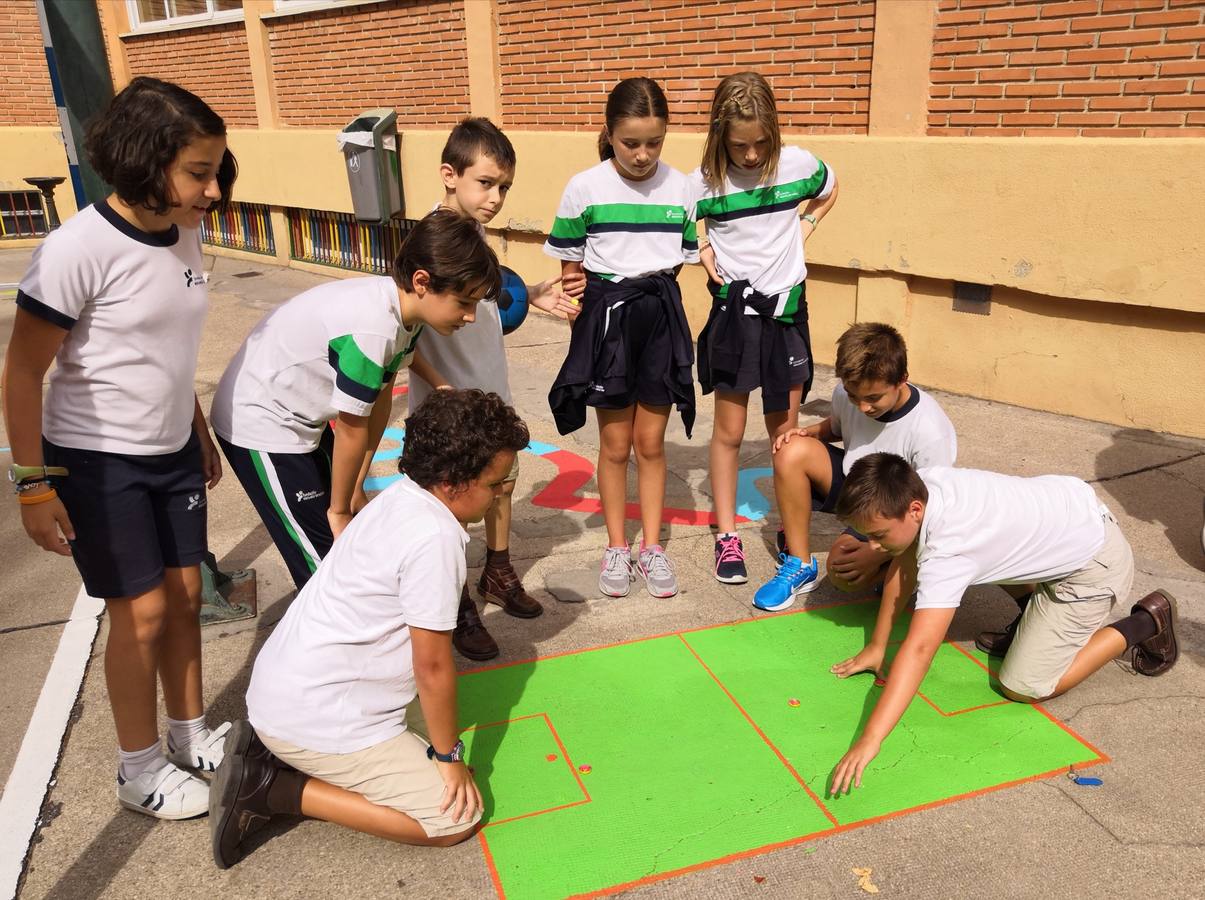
31	153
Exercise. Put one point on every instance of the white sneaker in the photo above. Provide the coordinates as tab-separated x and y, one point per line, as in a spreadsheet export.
167	793
205	756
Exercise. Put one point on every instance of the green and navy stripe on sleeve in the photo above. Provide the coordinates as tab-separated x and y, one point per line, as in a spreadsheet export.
355	374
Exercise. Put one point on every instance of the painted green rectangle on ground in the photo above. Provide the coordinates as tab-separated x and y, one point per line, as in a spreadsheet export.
682	736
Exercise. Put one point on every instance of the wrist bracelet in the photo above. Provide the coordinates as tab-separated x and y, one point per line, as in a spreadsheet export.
808	217
27	500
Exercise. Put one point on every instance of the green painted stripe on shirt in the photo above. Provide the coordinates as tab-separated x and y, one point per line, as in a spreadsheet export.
770	195
633	214
355	365
569	229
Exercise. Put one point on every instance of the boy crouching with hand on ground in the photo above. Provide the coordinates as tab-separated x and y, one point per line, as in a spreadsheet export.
954	528
334	733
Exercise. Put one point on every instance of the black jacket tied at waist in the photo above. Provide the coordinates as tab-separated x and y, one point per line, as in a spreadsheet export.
597	366
721	342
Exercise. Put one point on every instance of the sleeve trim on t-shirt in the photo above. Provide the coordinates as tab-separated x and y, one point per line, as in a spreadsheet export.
47	313
356	374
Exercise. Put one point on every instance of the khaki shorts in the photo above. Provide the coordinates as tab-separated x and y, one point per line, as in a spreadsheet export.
394	773
1062	615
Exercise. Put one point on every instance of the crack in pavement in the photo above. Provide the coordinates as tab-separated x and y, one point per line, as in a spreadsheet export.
1116	703
1150	468
15	628
1121	842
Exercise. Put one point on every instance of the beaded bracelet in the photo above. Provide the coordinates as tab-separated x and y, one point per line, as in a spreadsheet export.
26	500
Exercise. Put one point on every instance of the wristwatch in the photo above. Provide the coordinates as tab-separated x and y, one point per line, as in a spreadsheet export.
18	475
457	754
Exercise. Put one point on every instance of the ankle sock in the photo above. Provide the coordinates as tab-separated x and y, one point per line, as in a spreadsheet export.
186	732
725	534
284	794
135	762
1136	627
497	557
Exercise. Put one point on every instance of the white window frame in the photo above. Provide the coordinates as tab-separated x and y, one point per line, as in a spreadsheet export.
213	15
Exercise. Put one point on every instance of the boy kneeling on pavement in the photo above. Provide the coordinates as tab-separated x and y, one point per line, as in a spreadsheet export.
1048	538
334	733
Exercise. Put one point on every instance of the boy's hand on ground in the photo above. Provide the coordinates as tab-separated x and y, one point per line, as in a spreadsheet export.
460	791
785	438
849	771
869	659
338	521
49	526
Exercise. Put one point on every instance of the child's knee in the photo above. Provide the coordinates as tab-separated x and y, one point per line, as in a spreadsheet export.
457	837
649	448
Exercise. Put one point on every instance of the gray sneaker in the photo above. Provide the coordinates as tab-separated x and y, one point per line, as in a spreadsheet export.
657	572
616	577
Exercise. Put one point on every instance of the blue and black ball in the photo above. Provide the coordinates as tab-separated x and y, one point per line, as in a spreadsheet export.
512	302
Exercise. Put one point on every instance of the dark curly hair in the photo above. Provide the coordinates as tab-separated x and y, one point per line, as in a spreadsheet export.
134	141
449	247
454	435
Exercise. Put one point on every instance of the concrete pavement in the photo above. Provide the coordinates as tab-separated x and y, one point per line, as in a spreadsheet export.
1142	832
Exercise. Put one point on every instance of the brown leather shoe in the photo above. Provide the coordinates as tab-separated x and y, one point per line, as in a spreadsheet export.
470	636
238	796
996	643
500	584
1157	654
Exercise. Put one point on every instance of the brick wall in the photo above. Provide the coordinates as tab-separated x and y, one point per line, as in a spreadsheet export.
329	65
25	94
212	62
559	58
1104	68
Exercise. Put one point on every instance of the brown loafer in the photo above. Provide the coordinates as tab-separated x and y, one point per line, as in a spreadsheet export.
500	584
470	637
1157	654
996	643
238	796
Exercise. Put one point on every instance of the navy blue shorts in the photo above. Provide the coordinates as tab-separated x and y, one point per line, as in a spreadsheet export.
134	516
650	351
828	502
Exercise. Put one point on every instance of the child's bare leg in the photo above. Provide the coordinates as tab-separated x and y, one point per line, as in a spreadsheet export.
497	519
320	800
1104	646
136	627
731	414
614	450
800	464
648	438
854	565
180	646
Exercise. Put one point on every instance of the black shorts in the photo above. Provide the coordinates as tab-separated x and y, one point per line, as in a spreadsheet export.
134	516
749	378
647	347
828	502
291	493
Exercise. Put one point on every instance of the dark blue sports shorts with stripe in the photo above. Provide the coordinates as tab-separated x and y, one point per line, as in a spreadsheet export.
133	516
291	493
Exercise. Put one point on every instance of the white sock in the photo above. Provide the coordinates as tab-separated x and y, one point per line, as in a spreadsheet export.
135	762
186	732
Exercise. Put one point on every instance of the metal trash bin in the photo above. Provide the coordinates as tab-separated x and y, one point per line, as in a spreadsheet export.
370	151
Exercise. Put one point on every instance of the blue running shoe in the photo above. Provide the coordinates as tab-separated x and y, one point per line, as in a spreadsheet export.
793	578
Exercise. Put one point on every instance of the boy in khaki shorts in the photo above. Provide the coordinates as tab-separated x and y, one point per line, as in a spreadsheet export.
954	528
334	731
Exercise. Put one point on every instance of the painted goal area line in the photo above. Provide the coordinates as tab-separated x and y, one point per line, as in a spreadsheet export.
608	768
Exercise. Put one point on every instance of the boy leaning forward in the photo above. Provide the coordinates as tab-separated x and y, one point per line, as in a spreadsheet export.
1048	541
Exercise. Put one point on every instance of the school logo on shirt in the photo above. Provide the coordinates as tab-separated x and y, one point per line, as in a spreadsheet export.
792	361
676	215
192	279
309	495
196	501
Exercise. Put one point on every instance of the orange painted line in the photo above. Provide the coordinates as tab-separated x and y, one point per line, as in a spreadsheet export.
959	712
974	659
782	759
504	722
936	708
489	864
565	755
538	812
668	634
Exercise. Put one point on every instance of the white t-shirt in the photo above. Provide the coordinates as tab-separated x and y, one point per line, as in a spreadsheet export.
754	227
474	356
919	431
326	351
133	305
984	528
337	673
618	227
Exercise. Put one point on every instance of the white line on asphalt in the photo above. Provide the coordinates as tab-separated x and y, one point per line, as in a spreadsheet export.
21	802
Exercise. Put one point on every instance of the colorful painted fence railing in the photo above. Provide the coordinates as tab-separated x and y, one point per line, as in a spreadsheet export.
243	226
337	239
21	214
